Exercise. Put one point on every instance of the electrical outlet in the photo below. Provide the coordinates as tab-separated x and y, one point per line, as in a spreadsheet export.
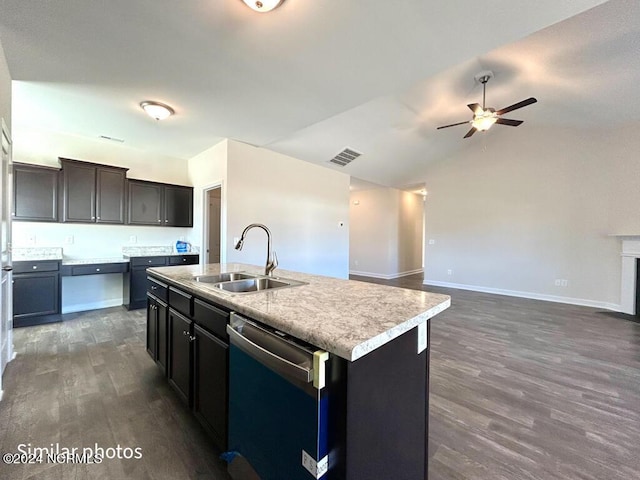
31	240
564	283
432	241
355	263
133	239
181	239
68	239
449	272
558	282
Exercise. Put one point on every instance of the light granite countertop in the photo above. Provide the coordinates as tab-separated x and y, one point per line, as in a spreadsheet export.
345	317
89	261
158	251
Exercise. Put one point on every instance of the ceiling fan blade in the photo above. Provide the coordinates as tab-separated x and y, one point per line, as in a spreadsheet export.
516	106
453	125
475	108
470	132
506	121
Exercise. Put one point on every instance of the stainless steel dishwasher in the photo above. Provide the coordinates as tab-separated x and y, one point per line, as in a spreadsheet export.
277	411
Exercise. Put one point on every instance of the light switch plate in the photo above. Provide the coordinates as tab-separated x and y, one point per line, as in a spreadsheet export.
422	337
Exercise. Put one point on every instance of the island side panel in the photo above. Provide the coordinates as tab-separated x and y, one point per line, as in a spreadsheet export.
387	412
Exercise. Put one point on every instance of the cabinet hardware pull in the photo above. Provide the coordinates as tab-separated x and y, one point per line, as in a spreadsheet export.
98	218
35	267
97	269
184	332
191	339
153	287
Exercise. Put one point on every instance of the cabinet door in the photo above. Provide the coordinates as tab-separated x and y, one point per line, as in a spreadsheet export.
35	294
210	384
163	338
152	328
180	355
145	203
110	191
178	206
35	194
138	287
78	193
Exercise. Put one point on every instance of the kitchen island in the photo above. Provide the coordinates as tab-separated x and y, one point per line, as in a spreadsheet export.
369	349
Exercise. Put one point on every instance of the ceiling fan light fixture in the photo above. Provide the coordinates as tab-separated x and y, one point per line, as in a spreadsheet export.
263	6
485	121
157	110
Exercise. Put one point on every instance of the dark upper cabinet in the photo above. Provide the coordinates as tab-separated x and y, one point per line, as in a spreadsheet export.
152	203
92	193
35	193
178	206
110	195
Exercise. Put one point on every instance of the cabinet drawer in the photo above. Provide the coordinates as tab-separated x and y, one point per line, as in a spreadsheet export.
157	288
211	318
148	261
184	259
180	301
98	268
37	266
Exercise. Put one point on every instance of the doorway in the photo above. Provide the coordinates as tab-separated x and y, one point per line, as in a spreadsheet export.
6	311
213	224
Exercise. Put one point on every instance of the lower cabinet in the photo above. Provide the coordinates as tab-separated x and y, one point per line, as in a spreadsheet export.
157	331
187	338
210	366
180	341
36	292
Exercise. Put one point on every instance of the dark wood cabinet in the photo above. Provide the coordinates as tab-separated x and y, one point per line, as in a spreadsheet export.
135	283
145	203
179	358
197	352
157	331
210	367
152	203
36	292
178	206
92	193
35	193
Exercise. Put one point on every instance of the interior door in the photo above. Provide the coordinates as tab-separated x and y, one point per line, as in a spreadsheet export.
6	309
215	206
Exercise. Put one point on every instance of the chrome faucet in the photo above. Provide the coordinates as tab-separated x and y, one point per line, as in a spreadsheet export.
272	258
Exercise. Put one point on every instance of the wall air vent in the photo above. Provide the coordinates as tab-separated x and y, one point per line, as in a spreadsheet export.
345	157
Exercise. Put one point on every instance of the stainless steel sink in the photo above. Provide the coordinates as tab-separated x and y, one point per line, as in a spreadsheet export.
223	277
252	285
243	282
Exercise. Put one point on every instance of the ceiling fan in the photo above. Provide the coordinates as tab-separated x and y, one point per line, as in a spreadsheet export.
484	118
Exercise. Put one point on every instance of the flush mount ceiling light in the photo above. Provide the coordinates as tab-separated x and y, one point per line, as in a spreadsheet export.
157	110
263	5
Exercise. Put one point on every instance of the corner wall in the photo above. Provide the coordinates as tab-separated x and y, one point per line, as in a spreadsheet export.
515	212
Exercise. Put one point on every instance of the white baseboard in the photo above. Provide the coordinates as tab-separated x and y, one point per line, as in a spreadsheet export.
1	394
83	307
534	296
383	276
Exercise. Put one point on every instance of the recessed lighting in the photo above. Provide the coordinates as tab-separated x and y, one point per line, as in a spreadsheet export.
157	110
263	5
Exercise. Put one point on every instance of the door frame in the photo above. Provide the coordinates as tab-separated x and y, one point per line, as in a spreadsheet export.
205	221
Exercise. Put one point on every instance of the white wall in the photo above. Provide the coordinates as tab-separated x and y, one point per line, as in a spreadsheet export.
302	204
206	170
44	148
533	205
95	241
385	236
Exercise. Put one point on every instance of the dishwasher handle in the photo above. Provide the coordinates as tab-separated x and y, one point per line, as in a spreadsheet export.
270	359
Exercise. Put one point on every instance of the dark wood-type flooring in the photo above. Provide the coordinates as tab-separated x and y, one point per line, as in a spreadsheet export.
520	390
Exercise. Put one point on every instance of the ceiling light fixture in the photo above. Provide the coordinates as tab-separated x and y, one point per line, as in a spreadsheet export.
157	110
263	5
484	120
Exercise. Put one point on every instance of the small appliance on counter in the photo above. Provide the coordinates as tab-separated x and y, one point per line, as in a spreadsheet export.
183	247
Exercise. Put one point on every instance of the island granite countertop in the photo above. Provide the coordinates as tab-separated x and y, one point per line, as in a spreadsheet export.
348	318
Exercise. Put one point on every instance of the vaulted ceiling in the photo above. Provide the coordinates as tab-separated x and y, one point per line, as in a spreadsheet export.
311	78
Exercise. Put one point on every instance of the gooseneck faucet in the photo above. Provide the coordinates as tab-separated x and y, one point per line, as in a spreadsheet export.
272	258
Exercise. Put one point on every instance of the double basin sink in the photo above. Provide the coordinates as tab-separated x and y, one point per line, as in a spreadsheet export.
243	282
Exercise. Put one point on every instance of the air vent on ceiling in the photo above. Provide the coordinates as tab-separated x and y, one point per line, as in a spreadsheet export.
112	139
345	157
